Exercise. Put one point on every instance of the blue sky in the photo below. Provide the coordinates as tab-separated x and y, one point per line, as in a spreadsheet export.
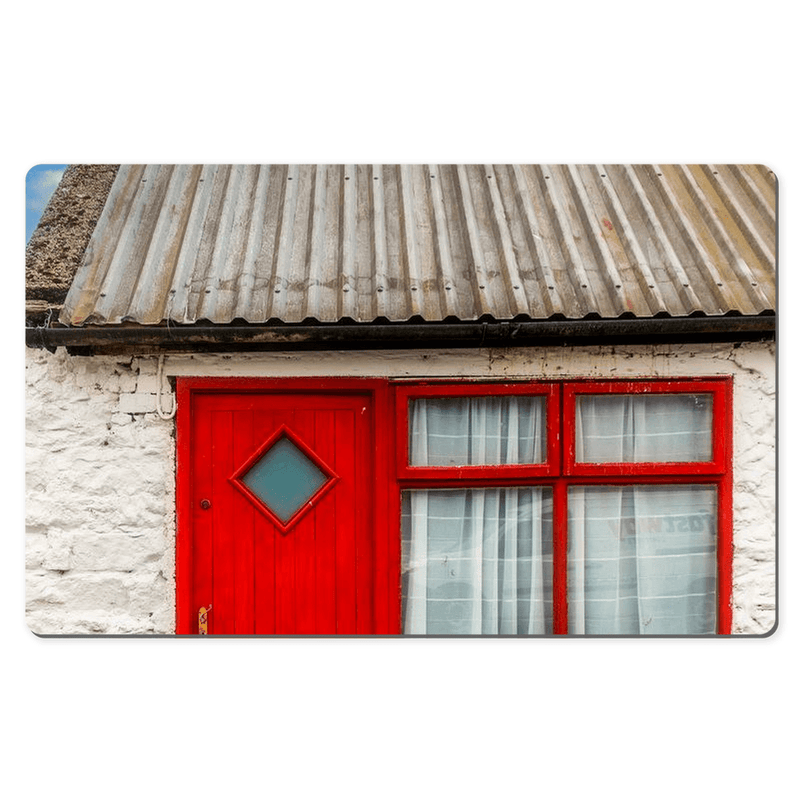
40	182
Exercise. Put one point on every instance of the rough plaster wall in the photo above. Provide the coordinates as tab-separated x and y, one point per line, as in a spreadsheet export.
101	477
754	492
99	498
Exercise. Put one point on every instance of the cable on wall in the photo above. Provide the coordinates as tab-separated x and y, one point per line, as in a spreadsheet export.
159	410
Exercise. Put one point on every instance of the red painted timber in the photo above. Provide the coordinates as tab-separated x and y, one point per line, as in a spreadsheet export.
304	535
338	568
185	524
345	525
325	527
244	534
222	617
317	576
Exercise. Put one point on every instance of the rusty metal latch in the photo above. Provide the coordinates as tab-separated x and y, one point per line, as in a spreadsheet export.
202	620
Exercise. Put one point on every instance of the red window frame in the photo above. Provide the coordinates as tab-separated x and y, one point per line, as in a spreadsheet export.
719	417
561	471
405	395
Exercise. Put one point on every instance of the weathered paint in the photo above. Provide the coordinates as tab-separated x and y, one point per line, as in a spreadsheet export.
219	243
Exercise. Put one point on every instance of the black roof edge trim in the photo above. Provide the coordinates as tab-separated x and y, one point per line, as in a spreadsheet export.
404	335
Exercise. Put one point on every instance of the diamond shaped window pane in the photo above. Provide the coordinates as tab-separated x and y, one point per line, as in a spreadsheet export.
284	479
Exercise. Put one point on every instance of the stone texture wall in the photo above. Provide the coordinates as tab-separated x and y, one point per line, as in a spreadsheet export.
754	491
99	497
100	465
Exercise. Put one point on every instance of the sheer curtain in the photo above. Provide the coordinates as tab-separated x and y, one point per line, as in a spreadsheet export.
638	428
477	561
448	432
642	559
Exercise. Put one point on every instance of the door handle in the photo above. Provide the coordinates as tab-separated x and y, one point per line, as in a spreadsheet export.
202	620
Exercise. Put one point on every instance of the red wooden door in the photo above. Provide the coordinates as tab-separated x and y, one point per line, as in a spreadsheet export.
277	548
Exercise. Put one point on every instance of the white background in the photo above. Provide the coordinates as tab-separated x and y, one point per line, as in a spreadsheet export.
414	82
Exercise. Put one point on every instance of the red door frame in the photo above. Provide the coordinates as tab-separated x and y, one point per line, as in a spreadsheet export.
392	474
386	611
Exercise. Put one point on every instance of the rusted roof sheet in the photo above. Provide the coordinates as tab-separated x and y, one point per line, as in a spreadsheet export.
257	243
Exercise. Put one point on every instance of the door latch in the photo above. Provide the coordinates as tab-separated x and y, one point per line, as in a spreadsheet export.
202	620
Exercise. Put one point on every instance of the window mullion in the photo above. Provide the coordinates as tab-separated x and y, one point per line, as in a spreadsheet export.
560	607
560	611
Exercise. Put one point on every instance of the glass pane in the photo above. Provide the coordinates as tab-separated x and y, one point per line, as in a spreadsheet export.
643	428
642	560
477	561
284	479
464	431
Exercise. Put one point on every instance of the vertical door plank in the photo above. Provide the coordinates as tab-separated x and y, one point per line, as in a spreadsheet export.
285	567
242	522
303	534
221	618
346	512
264	541
363	516
325	522
202	520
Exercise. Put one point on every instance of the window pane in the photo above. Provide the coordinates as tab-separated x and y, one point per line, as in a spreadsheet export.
284	479
642	559
477	561
464	431
643	428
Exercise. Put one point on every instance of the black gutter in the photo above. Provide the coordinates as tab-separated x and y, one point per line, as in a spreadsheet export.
231	338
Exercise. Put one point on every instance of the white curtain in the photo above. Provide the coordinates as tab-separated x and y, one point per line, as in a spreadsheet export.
477	561
477	430
641	428
642	560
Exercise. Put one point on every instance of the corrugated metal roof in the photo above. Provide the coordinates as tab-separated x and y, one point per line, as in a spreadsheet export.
431	242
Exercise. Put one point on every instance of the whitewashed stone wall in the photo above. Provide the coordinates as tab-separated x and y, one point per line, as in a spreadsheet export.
99	497
100	465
